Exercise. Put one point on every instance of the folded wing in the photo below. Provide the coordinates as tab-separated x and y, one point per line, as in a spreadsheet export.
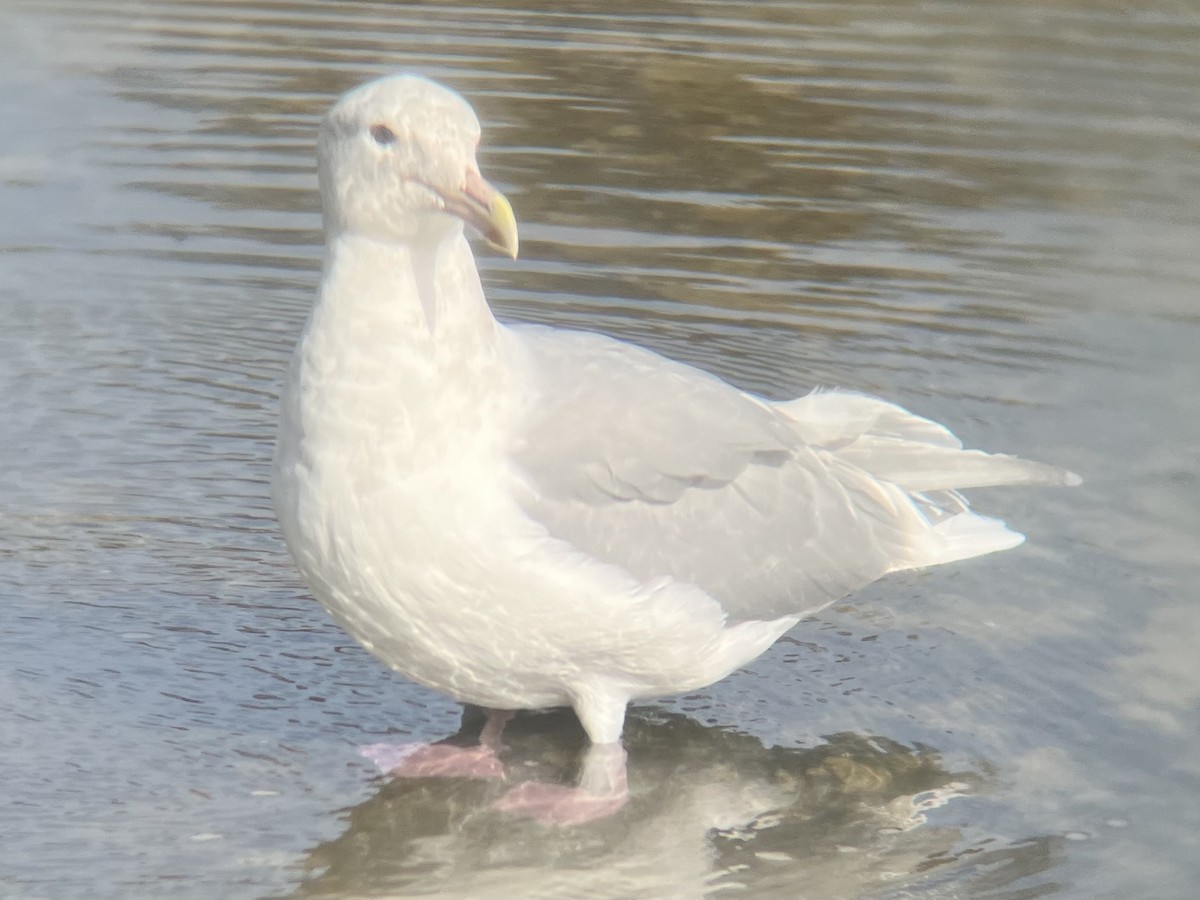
773	509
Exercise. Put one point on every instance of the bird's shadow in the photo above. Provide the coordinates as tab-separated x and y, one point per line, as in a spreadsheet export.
710	810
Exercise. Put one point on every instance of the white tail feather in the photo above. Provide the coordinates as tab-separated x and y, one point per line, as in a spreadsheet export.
918	456
962	536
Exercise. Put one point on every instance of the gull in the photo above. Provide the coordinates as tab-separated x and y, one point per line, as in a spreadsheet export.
525	517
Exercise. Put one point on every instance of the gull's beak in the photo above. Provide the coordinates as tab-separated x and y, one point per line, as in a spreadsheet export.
486	210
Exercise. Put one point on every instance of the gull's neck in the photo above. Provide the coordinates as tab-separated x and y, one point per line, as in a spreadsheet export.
400	349
419	295
400	368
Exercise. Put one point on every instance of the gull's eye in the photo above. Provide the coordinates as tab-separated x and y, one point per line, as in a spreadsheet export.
383	135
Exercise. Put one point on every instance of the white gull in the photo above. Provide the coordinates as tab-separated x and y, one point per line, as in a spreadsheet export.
525	517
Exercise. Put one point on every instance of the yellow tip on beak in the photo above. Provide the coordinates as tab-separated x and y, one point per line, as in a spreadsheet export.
502	231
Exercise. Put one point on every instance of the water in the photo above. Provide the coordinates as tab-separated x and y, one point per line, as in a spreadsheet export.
984	211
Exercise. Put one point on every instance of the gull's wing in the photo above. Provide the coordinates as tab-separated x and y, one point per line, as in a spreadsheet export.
773	509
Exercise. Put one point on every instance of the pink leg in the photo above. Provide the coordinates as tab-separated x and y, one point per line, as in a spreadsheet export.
602	790
444	760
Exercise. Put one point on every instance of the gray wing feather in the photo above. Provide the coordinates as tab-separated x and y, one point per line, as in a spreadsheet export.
668	471
615	422
772	508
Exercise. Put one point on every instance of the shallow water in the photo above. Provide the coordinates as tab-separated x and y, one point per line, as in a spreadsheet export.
986	212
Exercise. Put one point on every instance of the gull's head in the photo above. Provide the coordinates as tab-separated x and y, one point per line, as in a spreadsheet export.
397	163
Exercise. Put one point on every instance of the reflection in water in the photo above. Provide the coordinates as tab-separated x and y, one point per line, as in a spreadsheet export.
711	810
